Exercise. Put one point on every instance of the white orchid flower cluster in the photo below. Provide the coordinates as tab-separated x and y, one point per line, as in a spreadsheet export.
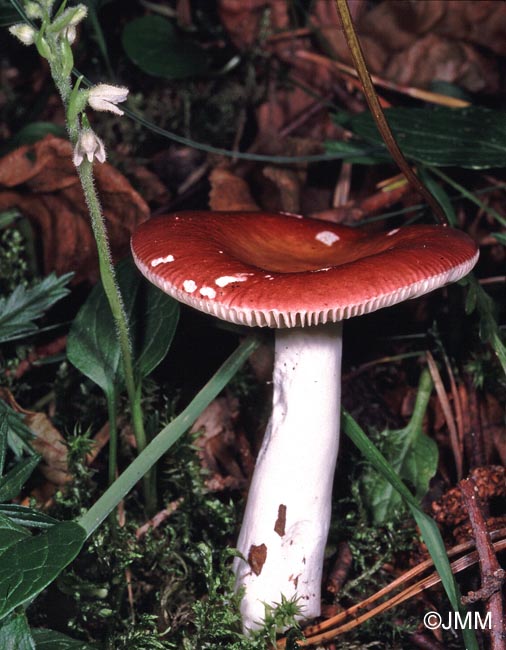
53	41
102	97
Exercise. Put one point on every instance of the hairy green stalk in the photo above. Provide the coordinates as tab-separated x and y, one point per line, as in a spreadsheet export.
62	79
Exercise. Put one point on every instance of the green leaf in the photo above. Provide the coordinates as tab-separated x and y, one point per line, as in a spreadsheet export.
34	132
4	430
428	528
18	434
478	299
28	517
500	236
441	195
8	15
10	533
166	438
472	137
13	481
23	306
50	640
92	345
28	566
158	49
357	153
15	634
411	454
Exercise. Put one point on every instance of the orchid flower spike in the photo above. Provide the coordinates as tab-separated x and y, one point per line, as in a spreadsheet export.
104	97
89	145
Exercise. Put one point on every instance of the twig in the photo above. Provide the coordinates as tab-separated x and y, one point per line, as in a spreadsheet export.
447	412
342	565
417	93
359	613
377	112
492	575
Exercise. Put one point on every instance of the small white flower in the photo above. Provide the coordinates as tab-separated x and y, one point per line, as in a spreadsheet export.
33	9
89	145
24	33
79	13
104	97
70	33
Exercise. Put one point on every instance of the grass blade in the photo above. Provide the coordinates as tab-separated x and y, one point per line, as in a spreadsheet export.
428	529
166	438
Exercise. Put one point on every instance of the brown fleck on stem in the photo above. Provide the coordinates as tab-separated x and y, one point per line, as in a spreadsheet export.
492	575
377	112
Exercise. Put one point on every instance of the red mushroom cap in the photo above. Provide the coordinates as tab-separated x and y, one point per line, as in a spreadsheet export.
279	270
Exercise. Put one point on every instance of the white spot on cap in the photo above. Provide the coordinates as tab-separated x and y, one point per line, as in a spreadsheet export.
392	232
208	292
162	260
189	286
327	237
229	279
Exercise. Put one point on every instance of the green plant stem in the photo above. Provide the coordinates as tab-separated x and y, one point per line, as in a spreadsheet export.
107	274
423	394
108	277
112	412
469	195
166	438
428	528
377	111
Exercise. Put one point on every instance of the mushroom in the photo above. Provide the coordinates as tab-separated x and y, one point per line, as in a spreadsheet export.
301	277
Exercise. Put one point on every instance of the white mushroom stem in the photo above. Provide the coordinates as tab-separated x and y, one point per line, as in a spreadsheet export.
287	516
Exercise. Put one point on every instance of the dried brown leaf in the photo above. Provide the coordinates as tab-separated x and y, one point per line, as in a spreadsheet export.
229	191
41	181
241	19
48	441
217	445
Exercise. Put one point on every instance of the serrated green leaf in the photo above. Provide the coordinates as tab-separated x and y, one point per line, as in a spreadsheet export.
13	481
411	454
92	345
15	633
18	434
24	516
158	49
28	566
50	640
23	306
472	137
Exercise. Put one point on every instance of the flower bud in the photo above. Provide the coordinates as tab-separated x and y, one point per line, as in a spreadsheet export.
70	33
70	17
89	145
24	33
104	97
33	10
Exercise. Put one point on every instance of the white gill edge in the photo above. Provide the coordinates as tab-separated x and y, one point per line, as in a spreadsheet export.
303	317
